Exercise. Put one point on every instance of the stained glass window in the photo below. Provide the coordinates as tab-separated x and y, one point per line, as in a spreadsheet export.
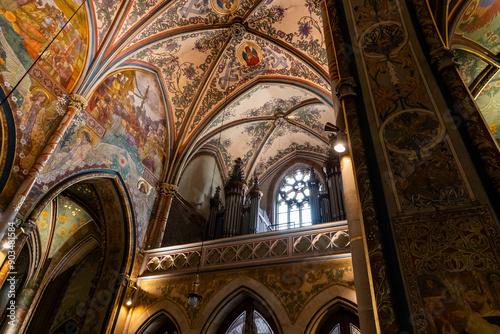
293	201
248	318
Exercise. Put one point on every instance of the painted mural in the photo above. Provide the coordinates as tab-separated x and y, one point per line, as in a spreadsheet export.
128	108
28	29
488	102
480	23
454	284
294	285
470	66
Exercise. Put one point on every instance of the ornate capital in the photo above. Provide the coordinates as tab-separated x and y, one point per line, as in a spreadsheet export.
345	87
443	58
168	189
77	101
29	226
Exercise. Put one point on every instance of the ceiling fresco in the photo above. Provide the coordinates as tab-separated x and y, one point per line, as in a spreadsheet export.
163	80
477	38
224	63
227	68
479	24
104	13
290	23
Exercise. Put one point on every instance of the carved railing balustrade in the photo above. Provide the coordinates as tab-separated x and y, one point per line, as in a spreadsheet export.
323	241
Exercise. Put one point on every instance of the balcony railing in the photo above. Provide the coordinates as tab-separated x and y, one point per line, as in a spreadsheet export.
318	241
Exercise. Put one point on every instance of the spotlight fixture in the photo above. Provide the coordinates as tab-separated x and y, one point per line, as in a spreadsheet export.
193	296
341	140
133	285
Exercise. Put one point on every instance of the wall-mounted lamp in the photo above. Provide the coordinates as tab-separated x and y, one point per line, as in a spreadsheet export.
341	140
133	285
193	296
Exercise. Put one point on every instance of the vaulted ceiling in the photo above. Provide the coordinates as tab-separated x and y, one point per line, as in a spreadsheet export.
217	99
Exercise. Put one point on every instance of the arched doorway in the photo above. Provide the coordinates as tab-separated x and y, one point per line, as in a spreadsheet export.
86	236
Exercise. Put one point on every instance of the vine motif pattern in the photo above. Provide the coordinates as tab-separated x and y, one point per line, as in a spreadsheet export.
413	134
441	245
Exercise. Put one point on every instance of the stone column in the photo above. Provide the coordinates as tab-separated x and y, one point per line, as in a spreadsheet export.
168	191
255	196
215	204
235	191
76	104
375	265
314	197
364	292
334	181
15	249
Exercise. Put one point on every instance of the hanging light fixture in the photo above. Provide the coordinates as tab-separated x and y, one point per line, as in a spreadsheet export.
193	296
340	143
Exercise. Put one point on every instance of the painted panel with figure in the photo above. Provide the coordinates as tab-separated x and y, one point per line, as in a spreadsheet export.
123	129
28	28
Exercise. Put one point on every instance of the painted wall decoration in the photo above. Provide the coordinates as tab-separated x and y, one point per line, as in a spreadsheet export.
480	23
69	218
457	276
106	11
293	284
27	28
263	103
470	66
130	107
254	133
303	32
59	221
137	10
488	102
44	224
402	101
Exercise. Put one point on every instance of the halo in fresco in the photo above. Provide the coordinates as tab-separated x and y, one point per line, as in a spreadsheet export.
249	54
225	7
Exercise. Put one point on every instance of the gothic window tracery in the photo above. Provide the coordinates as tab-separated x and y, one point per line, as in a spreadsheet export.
293	203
